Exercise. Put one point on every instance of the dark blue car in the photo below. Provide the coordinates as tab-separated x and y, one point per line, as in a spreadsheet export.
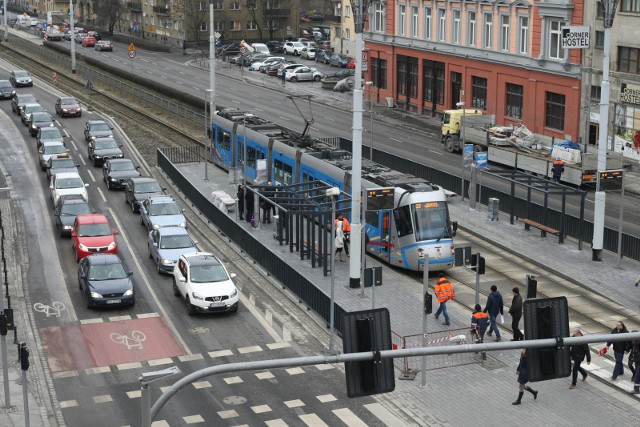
104	281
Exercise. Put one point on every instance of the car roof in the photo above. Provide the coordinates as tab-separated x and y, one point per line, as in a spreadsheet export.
68	97
173	231
103	259
161	199
139	179
68	175
112	161
72	199
97	121
51	143
93	218
201	258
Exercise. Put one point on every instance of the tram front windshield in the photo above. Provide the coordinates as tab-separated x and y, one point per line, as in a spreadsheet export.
430	219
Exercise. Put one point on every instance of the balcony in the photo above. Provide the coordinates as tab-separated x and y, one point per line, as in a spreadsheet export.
137	7
162	10
276	13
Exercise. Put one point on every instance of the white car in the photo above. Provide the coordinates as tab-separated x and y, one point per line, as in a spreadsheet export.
204	283
303	74
265	62
293	48
67	183
308	53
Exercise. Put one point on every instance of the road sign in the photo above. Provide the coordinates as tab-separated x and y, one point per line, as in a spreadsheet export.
132	54
482	159
243	50
365	55
55	78
132	48
575	37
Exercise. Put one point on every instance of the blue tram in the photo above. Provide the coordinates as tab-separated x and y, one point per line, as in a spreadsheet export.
416	228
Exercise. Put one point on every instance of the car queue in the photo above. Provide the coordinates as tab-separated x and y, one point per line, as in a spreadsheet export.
102	275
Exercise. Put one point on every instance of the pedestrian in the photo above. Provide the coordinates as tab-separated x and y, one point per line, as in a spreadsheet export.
638	281
248	204
240	197
346	230
631	361
265	204
634	359
479	324
516	314
557	169
578	353
444	292
493	308
523	378
339	241
620	348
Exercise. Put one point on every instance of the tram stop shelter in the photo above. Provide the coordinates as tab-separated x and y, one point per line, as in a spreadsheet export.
303	215
540	216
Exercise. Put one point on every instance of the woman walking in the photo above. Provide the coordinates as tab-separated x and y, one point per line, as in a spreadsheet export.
619	349
523	378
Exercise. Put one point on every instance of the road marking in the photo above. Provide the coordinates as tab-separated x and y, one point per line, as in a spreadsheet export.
312	420
104	199
133	394
228	414
66	133
349	418
64	374
197	88
284	118
161	308
220	353
131	365
397	140
163	77
158	362
75	147
131	342
297	403
383	414
277	345
179	82
201	384
295	371
50	310
91	175
98	370
435	152
251	349
325	398
193	419
258	109
233	380
260	409
324	367
190	357
264	375
68	404
102	399
149	72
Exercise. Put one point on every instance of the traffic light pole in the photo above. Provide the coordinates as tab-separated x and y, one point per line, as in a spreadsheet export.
5	360
425	318
23	352
478	279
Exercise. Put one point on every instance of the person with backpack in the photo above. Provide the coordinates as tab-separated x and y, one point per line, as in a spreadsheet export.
578	353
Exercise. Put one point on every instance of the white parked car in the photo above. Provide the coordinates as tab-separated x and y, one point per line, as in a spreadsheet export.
204	283
264	62
303	73
308	53
293	48
67	183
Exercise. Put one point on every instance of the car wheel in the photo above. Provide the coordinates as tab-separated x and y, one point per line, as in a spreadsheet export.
191	310
176	291
134	207
158	269
293	79
317	78
109	187
149	252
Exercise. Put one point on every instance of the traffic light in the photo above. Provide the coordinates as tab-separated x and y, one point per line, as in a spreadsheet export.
24	356
531	286
428	303
368	330
478	263
3	324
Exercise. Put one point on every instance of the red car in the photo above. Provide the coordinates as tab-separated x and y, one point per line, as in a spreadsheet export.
351	63
92	234
89	41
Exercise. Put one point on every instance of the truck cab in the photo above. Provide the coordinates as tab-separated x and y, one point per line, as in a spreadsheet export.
452	118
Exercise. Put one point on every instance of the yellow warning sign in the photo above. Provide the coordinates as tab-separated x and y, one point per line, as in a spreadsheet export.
132	48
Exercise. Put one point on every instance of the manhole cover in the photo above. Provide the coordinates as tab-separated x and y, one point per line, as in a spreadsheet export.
235	400
199	330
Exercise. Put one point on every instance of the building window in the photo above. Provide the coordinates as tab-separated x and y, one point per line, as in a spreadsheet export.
555	40
488	31
514	101
347	11
235	5
402	76
632	6
599	39
379	71
433	81
455	31
600	10
201	6
415	22
596	92
402	19
218	5
479	93
471	30
378	21
442	25
251	5
203	26
428	23
407	76
628	60
523	34
219	25
252	25
554	114
347	33
504	32
235	25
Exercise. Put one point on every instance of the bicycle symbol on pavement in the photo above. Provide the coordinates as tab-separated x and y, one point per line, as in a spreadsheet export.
50	310
132	342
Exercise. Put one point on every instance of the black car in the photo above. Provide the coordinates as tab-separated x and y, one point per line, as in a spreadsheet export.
67	209
104	281
116	172
97	129
275	46
40	120
136	190
48	134
61	163
20	78
20	100
6	90
103	149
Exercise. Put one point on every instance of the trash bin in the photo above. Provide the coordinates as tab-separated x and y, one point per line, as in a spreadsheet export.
493	209
390	102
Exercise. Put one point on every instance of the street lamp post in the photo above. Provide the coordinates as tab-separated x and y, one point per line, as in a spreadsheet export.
73	42
207	128
145	379
370	84
212	57
464	116
332	193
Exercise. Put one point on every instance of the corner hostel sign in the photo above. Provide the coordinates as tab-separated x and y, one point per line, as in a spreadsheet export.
630	94
574	37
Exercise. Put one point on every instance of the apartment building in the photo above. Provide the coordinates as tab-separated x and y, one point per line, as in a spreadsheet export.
501	56
343	34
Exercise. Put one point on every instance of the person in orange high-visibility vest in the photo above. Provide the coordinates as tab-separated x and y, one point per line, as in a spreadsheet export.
346	231
444	292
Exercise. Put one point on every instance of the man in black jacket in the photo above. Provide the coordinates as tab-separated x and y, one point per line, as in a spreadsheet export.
578	353
494	308
516	314
619	349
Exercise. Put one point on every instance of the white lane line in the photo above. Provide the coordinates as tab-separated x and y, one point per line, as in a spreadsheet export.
284	118
163	77
435	152
329	118
83	161
237	102
93	178
149	287
196	88
397	140
65	132
179	82
258	109
104	199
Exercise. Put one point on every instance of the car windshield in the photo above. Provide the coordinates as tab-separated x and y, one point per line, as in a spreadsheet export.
50	133
100	127
176	242
107	272
65	183
92	230
63	163
41	117
208	273
148	187
164	209
68	101
22	74
122	166
5	83
54	149
74	209
25	99
33	108
108	143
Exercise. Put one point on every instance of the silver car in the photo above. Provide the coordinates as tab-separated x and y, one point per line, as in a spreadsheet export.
303	74
161	211
167	244
38	121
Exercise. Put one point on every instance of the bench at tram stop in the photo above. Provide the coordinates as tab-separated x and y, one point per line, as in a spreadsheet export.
544	229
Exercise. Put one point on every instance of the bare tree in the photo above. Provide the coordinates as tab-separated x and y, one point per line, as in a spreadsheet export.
268	15
108	12
194	16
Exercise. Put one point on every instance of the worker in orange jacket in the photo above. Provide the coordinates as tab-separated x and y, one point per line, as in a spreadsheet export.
557	169
444	292
346	231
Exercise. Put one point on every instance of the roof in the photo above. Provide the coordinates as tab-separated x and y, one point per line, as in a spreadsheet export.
138	179
103	259
173	231
161	199
94	218
62	175
202	258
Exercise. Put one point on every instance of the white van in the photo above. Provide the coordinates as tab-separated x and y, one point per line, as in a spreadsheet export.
261	48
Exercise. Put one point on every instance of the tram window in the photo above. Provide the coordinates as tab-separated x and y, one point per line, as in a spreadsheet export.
251	157
279	173
402	216
372	219
431	222
224	139
288	173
